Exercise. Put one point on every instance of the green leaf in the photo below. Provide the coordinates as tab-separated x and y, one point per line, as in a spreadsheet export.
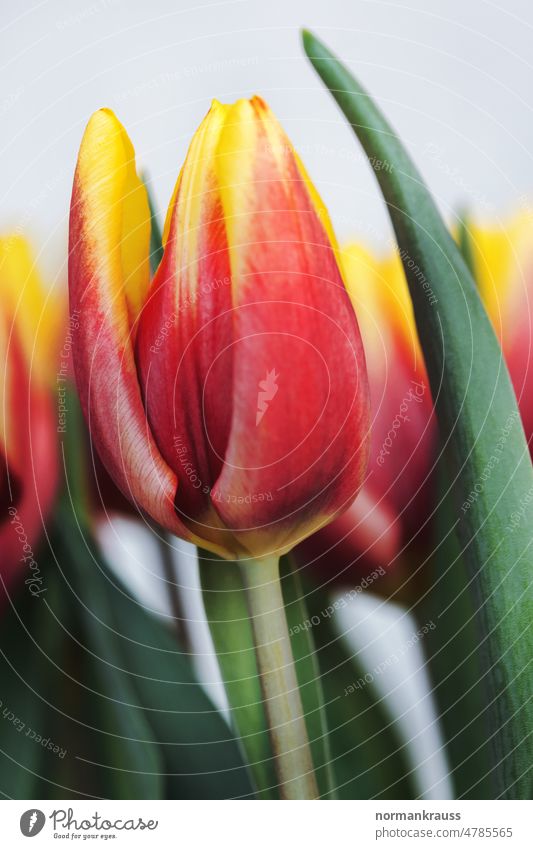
452	656
368	757
475	407
156	235
173	742
202	757
464	241
27	640
160	734
308	674
227	614
133	760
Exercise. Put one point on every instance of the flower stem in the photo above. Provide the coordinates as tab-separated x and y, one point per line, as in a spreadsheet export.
279	685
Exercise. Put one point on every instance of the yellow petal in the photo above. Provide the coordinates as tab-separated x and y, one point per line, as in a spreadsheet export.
116	206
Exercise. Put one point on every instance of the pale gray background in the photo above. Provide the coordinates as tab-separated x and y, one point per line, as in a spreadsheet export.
455	78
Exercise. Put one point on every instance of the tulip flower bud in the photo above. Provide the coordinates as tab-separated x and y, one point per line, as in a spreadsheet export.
28	441
228	397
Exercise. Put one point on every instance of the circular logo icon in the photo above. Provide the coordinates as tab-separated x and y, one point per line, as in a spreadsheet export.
32	822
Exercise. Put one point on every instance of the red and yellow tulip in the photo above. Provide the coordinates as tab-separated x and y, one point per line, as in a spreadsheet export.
228	397
28	439
397	490
393	511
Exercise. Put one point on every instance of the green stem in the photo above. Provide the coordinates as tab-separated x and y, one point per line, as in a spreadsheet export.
283	707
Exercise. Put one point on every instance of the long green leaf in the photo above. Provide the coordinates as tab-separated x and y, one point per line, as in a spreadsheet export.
174	740
475	406
368	758
27	640
452	657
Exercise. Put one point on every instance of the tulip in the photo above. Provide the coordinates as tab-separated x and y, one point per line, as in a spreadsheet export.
390	514
228	398
28	439
393	512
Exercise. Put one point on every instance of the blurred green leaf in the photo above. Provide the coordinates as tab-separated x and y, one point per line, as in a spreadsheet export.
368	757
156	235
27	640
168	737
132	757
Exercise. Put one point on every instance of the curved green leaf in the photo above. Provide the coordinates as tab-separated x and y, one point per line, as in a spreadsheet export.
478	421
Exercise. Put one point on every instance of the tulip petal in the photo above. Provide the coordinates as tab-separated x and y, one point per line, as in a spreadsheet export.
184	344
108	279
300	414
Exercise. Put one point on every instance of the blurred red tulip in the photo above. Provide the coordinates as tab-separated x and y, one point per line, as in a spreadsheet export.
28	437
229	398
396	498
393	511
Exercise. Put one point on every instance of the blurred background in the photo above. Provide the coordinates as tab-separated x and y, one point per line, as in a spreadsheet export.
454	79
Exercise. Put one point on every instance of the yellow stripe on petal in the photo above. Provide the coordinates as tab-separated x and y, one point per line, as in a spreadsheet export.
116	207
236	157
192	195
318	204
